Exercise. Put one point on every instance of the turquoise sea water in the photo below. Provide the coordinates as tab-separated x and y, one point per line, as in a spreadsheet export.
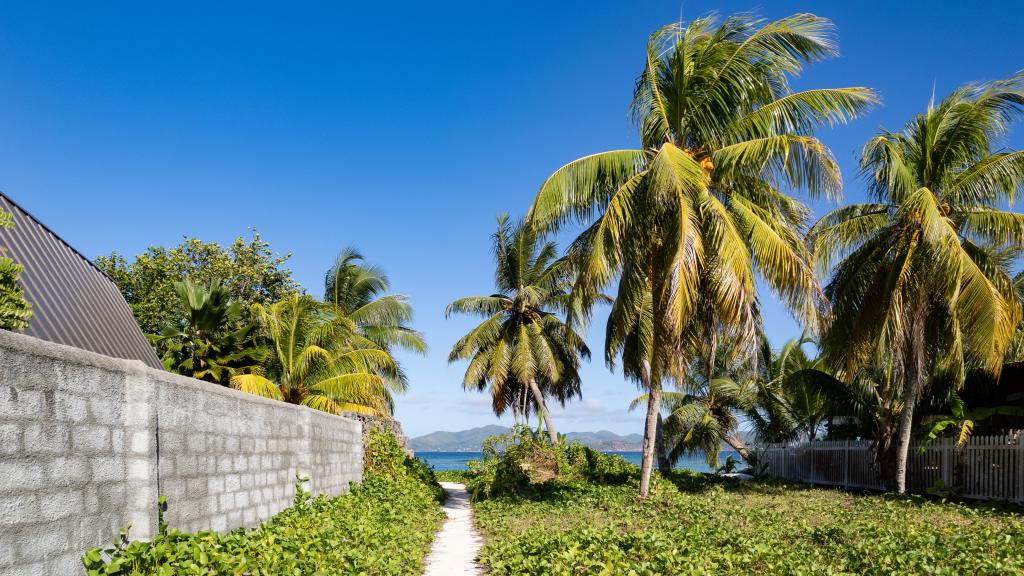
457	460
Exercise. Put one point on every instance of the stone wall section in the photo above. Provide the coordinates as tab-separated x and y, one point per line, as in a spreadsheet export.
88	443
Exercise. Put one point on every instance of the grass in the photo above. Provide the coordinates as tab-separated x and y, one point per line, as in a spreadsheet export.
697	524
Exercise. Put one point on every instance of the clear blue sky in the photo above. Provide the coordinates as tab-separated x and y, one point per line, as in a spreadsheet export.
402	129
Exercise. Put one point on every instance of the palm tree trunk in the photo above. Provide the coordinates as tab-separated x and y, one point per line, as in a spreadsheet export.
899	482
664	466
739	446
650	432
543	408
913	382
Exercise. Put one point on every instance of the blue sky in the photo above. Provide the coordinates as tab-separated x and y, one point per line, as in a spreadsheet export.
402	129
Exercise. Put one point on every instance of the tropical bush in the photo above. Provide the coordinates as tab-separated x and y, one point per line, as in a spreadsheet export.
522	463
15	311
460	476
212	342
250	271
700	524
319	360
382	526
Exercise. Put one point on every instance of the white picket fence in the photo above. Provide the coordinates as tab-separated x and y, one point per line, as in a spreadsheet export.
987	468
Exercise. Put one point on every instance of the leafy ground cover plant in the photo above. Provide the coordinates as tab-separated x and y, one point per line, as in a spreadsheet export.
383	526
699	524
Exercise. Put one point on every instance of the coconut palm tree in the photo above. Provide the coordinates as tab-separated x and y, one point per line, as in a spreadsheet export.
358	292
796	394
318	360
522	344
699	205
919	282
212	342
706	410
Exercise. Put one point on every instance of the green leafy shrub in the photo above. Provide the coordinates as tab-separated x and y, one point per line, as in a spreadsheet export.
460	476
598	467
515	463
522	463
382	526
698	524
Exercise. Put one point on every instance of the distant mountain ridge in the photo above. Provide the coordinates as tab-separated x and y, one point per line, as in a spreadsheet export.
471	440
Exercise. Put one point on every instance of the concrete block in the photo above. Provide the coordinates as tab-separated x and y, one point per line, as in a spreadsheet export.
47	437
219	523
138	469
92	439
20	476
18	509
107	468
140	441
196	443
33	569
106	410
17	403
60	504
117	440
70	407
215	485
10	439
67	471
67	563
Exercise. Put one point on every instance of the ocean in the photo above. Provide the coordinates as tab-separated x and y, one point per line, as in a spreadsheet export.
457	460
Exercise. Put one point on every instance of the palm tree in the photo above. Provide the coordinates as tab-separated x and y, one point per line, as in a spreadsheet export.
522	344
318	361
919	279
358	292
212	342
796	394
705	411
699	207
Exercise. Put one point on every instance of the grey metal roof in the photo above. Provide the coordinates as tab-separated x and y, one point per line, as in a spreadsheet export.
73	302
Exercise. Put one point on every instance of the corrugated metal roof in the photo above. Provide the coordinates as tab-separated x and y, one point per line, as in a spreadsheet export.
73	302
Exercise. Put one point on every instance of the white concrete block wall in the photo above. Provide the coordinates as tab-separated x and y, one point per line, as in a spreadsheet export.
88	443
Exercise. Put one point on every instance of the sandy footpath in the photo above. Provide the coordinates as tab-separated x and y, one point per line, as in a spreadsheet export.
457	543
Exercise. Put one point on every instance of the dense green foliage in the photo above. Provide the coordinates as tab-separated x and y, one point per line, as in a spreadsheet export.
319	359
15	311
234	316
460	476
522	463
251	273
383	526
705	525
213	342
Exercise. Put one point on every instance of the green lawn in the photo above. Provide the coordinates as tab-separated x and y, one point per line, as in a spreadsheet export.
697	525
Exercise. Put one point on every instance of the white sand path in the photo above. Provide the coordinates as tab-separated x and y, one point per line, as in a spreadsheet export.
457	543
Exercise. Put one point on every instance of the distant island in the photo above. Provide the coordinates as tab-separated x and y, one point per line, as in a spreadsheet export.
470	440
